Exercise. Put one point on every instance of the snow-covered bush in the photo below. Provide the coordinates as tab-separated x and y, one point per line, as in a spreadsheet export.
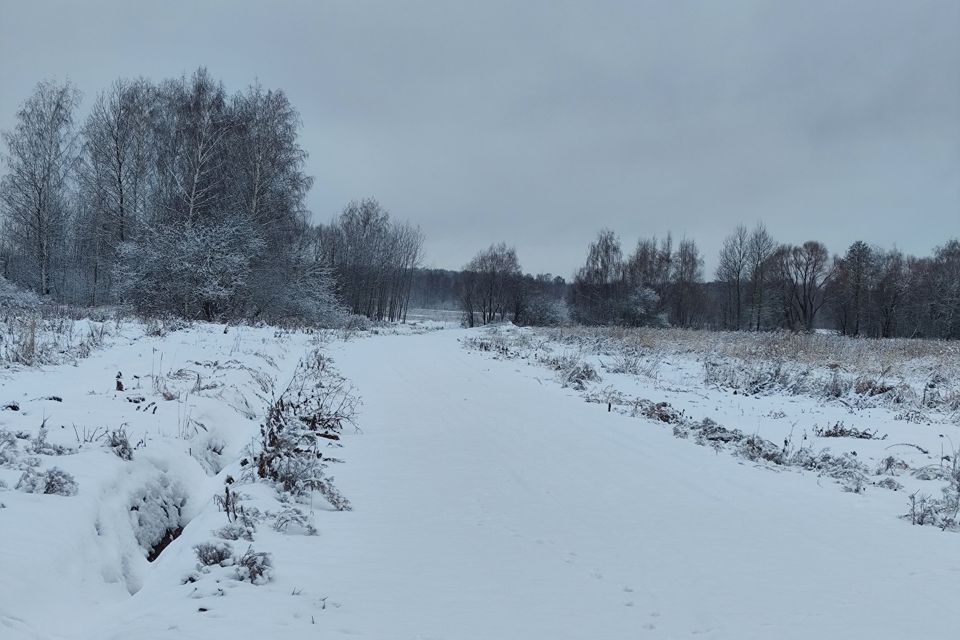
544	311
214	553
239	530
494	342
53	481
626	361
305	420
892	466
224	268
255	567
293	520
8	448
207	448
13	298
572	371
193	268
840	430
41	446
657	411
156	514
937	512
119	442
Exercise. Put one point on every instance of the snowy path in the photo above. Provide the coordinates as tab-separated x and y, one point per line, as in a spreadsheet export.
493	505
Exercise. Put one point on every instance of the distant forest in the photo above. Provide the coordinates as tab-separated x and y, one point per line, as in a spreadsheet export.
760	284
178	198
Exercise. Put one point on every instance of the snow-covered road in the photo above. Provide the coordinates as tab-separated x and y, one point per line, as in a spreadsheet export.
492	504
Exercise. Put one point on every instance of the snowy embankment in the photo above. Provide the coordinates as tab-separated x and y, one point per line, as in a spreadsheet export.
866	414
134	468
490	501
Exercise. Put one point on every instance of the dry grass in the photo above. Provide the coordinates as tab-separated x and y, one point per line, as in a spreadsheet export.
863	355
923	374
34	337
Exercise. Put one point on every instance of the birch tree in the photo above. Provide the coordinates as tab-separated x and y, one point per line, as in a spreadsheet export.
41	156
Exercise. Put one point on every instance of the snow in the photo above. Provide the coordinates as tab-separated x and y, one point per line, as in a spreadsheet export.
489	502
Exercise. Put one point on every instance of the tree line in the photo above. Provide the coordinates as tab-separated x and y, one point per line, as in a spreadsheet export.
177	197
759	285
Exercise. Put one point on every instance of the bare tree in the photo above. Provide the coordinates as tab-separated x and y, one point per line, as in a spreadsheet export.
114	175
599	286
193	132
760	249
888	291
733	271
851	286
804	272
494	285
687	299
372	257
41	155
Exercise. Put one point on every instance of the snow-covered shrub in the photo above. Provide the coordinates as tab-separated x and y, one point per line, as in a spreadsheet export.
760	378
41	446
938	512
892	466
255	567
845	467
840	430
625	362
544	311
836	386
307	418
207	449
355	322
214	553
239	530
8	448
53	481
756	448
156	514
493	342
572	371
709	431
119	442
13	298
889	483
657	411
193	268
210	268
293	520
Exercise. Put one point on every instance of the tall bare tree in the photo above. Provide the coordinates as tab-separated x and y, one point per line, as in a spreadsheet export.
805	271
686	292
494	284
733	270
41	155
115	174
760	250
373	258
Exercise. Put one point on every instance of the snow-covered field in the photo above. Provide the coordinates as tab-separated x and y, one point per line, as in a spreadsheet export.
505	483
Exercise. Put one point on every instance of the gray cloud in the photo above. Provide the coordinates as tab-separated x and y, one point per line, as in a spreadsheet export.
540	122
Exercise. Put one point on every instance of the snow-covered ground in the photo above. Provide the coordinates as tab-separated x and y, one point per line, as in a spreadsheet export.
489	501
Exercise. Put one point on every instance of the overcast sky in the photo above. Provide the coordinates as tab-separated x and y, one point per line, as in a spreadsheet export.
538	123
